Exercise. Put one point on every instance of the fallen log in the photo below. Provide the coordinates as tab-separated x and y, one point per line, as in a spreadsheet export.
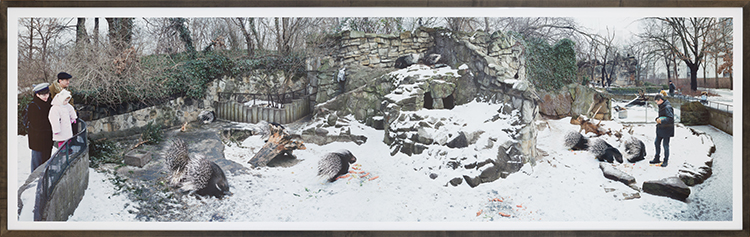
279	142
588	126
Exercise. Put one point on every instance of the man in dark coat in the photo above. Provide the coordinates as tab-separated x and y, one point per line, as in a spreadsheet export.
664	129
40	129
671	88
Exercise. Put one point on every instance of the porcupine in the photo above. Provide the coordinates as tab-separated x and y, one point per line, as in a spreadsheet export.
204	177
176	160
576	141
335	164
604	151
635	150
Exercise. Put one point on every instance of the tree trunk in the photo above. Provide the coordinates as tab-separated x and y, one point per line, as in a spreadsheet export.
248	39
669	73
81	31
96	30
731	81
279	142
693	76
716	71
120	32
31	40
258	41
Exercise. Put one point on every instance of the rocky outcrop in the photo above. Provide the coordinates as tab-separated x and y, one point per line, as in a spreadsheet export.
573	100
331	128
692	175
480	67
694	113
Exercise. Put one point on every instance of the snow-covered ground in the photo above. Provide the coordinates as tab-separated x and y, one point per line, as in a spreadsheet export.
564	190
724	96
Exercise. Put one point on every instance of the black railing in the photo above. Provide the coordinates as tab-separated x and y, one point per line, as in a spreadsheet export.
273	99
71	150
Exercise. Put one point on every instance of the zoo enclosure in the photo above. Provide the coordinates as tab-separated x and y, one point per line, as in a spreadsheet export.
56	200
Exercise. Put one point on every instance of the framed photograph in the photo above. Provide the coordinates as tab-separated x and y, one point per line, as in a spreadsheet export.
374	118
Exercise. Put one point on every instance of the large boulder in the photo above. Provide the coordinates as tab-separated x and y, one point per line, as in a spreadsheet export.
555	105
615	174
459	141
694	113
672	187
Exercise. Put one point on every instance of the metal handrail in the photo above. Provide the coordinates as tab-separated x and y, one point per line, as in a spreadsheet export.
58	163
711	104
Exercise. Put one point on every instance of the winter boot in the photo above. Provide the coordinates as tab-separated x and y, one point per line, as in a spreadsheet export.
655	161
664	164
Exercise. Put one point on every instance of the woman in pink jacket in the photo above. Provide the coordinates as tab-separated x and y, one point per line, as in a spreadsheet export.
61	116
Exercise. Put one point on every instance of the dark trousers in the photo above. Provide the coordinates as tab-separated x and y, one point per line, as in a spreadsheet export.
659	140
39	157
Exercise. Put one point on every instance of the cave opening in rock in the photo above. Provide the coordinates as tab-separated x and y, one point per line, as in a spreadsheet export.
449	102
428	100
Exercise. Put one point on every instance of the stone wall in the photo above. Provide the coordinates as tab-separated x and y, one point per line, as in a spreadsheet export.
69	190
356	51
173	113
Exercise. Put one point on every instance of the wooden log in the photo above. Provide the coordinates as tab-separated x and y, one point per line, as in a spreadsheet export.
278	143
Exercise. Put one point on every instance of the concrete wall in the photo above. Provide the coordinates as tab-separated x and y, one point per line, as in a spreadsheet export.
722	120
69	190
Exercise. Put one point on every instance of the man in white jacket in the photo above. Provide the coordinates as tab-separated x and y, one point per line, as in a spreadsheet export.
61	116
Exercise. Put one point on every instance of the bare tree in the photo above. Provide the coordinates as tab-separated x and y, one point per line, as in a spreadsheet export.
37	39
725	43
463	24
692	34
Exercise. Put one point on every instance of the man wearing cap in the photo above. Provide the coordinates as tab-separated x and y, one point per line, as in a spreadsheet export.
63	81
40	130
664	129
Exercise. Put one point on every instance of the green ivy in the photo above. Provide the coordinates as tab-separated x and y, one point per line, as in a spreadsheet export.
23	101
153	133
103	151
550	68
293	63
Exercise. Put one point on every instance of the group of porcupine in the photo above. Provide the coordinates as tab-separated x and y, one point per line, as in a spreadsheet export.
635	150
195	174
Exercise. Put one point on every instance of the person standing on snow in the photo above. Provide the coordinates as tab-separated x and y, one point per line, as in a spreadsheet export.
671	88
40	130
664	129
61	116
